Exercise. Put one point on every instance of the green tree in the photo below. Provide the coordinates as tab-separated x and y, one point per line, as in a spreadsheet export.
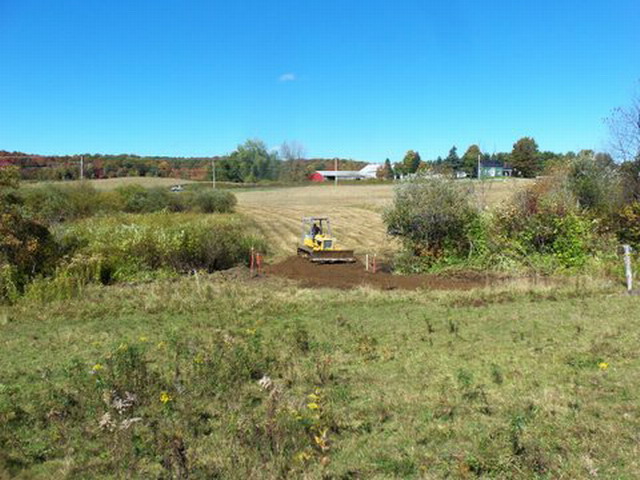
453	160
411	162
525	157
251	162
470	160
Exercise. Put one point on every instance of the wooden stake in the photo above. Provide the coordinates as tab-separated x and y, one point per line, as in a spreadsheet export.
366	262
627	267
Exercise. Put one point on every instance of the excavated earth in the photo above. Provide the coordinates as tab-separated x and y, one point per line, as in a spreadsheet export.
352	275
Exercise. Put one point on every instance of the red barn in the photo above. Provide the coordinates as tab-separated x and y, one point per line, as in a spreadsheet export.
316	177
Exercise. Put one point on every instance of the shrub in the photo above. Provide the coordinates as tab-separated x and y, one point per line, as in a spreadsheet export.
214	201
545	220
56	203
26	247
432	217
137	199
627	222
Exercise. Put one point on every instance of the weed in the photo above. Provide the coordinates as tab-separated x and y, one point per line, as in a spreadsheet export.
496	374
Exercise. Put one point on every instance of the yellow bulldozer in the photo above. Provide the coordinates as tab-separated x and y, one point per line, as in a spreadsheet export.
319	245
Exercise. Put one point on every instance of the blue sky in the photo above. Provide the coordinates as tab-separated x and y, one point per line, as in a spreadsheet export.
365	80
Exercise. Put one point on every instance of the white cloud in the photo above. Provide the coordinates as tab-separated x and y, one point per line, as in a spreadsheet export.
287	77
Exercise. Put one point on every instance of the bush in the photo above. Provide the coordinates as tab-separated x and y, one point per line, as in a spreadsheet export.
543	228
432	217
627	224
137	199
214	201
57	203
545	220
26	247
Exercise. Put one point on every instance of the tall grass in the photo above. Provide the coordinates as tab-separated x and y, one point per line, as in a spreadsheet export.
131	248
131	244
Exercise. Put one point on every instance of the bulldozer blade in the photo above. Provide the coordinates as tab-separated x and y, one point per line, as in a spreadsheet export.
332	256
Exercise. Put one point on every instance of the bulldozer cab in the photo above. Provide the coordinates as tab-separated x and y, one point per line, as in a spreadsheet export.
319	245
316	232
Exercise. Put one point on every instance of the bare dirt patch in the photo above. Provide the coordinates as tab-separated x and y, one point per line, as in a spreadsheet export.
353	275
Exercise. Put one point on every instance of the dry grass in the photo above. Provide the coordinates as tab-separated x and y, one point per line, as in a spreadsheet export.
355	212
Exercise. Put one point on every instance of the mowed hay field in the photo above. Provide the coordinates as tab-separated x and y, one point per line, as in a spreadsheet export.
355	212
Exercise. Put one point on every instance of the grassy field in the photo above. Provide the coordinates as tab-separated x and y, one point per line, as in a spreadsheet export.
355	212
106	184
225	377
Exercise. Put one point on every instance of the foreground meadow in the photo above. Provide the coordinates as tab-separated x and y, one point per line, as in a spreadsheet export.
223	376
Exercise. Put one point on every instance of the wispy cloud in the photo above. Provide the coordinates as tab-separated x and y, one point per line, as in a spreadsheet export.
287	77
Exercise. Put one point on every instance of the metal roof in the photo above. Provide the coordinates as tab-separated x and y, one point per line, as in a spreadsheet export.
339	173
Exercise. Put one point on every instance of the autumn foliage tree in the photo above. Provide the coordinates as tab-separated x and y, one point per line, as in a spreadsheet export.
411	162
386	172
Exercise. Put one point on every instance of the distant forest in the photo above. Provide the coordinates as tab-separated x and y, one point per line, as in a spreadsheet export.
250	162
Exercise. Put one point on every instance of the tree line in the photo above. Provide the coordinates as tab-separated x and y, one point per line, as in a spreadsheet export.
525	160
250	162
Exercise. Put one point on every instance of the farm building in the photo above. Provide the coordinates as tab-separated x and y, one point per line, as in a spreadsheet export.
367	172
495	169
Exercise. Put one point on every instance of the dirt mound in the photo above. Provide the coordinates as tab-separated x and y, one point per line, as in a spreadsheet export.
352	275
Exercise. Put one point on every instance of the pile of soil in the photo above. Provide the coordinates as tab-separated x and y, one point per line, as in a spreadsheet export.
352	275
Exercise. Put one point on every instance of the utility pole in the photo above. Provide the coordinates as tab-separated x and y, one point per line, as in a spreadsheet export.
213	172
81	167
479	165
335	168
